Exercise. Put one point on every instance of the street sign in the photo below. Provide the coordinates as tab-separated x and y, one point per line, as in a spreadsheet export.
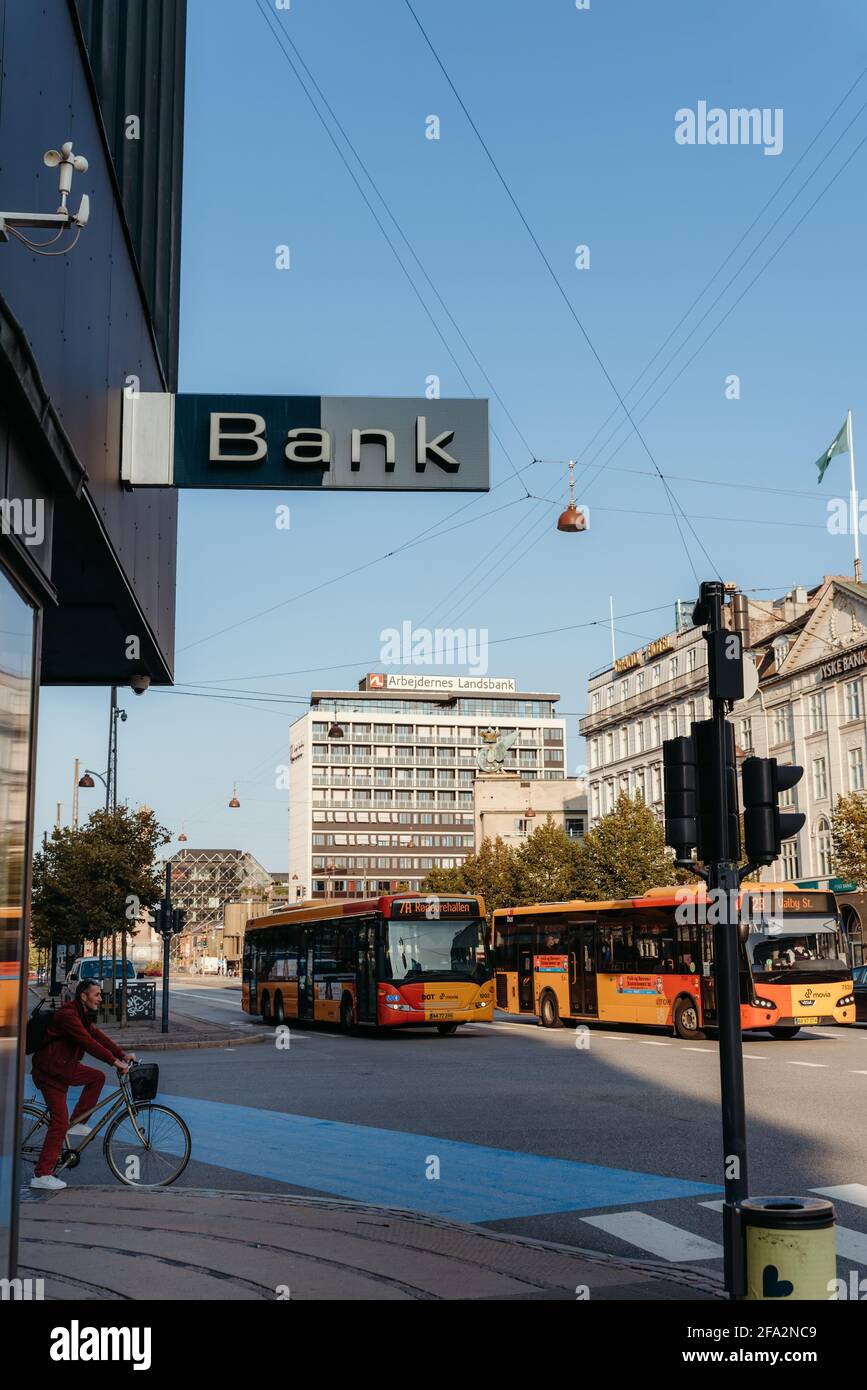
379	444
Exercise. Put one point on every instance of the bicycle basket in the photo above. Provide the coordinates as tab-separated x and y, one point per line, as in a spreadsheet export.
144	1080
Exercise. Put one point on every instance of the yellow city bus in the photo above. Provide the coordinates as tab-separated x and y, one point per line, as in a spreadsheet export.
404	960
649	960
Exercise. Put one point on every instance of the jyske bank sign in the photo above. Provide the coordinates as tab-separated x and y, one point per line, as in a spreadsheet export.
376	443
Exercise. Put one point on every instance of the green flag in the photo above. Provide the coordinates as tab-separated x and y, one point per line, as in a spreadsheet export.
839	446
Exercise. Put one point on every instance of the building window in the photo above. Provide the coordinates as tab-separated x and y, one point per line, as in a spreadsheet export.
820	779
856	769
852	696
594	801
746	738
783	724
609	747
691	659
790	860
639	736
657	673
624	689
656	773
817	712
594	704
609	698
672	668
640	682
823	847
672	723
639	783
624	742
575	827
594	752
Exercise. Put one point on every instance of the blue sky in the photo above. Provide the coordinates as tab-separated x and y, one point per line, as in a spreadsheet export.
578	109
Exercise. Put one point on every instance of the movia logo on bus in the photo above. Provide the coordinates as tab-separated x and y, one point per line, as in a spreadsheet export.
382	444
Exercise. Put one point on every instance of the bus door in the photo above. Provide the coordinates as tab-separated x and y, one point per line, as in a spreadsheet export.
526	1002
305	975
582	966
366	973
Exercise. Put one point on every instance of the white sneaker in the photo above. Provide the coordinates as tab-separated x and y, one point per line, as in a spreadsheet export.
49	1183
78	1129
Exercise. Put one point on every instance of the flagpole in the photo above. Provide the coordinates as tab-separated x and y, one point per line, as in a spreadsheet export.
613	643
853	499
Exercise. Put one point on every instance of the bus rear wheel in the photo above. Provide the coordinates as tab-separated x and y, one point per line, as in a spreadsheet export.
686	1019
784	1032
278	1016
445	1030
266	1009
549	1012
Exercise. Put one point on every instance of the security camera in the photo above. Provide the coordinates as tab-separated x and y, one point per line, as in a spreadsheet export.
139	684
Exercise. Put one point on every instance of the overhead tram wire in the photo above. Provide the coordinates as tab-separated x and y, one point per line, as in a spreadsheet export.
672	500
336	119
279	34
759	215
730	310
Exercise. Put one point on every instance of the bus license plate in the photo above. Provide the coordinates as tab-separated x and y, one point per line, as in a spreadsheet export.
447	1016
805	1019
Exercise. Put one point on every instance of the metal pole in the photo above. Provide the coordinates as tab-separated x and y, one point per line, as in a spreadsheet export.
112	727
853	498
723	875
167	937
75	780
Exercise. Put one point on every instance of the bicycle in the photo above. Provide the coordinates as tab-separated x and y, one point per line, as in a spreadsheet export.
145	1145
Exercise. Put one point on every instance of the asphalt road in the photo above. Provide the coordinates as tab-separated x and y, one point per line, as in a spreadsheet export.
613	1146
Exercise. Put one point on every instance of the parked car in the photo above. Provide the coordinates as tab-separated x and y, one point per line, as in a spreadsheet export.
860	976
91	968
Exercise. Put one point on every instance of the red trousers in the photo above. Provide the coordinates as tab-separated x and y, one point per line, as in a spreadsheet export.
55	1100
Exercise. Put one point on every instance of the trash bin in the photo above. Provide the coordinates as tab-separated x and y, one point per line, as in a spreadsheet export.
790	1248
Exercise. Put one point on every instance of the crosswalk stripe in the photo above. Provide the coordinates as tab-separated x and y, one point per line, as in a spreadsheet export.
854	1192
659	1238
712	1206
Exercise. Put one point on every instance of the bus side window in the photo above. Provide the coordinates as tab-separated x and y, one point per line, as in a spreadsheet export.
689	955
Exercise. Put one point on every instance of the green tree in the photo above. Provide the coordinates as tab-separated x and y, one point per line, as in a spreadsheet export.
90	882
548	865
492	873
849	838
625	854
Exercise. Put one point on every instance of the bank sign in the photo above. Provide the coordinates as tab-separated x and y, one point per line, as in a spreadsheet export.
383	444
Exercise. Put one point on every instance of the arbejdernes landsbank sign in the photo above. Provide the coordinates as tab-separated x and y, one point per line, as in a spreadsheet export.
381	443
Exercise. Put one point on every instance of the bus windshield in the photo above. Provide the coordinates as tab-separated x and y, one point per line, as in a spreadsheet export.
801	946
425	949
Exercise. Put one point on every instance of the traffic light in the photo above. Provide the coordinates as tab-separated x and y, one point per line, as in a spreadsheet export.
718	838
160	923
680	772
765	825
179	920
693	817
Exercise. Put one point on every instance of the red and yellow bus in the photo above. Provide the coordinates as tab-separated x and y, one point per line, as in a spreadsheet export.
398	961
649	960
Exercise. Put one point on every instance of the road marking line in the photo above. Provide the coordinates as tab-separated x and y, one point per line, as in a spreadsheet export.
648	1043
759	1056
854	1192
790	1063
712	1206
658	1237
858	1073
708	1050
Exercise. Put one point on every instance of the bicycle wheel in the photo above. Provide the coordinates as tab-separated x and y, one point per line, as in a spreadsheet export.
162	1157
34	1127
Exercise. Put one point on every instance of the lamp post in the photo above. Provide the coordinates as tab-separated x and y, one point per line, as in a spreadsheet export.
109	781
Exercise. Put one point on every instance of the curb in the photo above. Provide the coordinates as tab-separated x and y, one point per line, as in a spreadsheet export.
185	1044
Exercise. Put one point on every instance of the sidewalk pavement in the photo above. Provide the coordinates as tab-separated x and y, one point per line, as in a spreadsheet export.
189	1244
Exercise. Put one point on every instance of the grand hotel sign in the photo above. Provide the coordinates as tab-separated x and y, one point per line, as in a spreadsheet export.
644	654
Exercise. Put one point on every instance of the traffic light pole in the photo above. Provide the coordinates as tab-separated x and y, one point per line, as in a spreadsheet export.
722	875
167	942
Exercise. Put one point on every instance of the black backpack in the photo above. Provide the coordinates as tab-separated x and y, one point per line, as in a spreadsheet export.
37	1028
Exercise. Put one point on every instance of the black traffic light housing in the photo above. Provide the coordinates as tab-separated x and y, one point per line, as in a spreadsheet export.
765	825
179	920
719	837
680	773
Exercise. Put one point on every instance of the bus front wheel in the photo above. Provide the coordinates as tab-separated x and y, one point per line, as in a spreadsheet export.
445	1030
266	1009
784	1032
347	1014
549	1013
686	1019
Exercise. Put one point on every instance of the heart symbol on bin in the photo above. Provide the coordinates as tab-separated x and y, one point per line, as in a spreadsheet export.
773	1286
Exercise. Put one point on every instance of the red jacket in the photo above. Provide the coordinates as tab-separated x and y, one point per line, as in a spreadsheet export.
69	1037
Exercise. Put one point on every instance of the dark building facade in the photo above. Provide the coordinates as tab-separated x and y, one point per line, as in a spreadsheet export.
87	567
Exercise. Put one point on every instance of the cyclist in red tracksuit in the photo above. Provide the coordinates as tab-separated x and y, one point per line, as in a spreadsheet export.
57	1066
